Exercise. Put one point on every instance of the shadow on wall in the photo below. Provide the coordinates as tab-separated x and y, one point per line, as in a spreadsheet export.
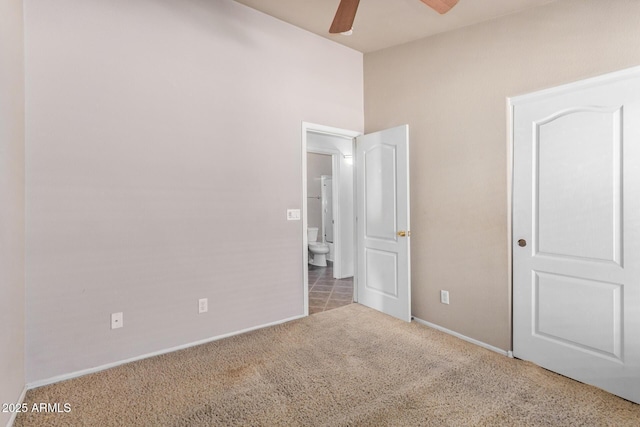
219	17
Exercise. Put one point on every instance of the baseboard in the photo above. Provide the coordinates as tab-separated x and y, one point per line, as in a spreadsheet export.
83	372
465	338
12	419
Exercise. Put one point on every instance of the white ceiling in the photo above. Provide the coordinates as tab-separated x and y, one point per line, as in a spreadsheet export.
384	23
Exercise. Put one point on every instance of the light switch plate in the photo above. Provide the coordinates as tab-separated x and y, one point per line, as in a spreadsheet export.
293	214
117	320
444	297
203	305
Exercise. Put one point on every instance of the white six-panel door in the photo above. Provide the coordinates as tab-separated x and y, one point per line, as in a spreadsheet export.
382	225
576	231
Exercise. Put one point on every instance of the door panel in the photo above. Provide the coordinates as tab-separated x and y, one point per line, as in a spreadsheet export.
555	320
380	192
579	218
382	183
381	269
576	204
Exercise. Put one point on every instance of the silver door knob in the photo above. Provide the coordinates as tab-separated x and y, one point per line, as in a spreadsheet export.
522	243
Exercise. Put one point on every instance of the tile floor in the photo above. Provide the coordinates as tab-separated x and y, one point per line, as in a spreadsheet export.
325	292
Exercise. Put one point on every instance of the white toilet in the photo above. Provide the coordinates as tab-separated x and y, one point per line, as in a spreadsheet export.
317	250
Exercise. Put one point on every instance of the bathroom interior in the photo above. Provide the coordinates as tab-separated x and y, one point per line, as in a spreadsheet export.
329	222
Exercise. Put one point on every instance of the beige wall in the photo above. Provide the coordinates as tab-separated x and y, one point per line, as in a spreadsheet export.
317	165
11	204
163	150
451	89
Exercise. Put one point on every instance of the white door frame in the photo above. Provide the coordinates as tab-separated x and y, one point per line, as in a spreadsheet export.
336	243
328	130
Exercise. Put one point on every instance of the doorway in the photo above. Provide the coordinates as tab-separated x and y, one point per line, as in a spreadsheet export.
371	214
328	173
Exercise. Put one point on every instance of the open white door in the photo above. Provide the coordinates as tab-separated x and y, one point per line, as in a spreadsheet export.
576	231
382	222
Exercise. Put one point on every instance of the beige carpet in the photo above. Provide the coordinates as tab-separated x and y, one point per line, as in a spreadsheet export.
348	366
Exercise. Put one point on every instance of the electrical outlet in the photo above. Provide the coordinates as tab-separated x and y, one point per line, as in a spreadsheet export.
444	297
203	305
117	320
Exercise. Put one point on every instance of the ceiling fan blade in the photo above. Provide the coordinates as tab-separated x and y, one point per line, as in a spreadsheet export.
346	13
440	6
